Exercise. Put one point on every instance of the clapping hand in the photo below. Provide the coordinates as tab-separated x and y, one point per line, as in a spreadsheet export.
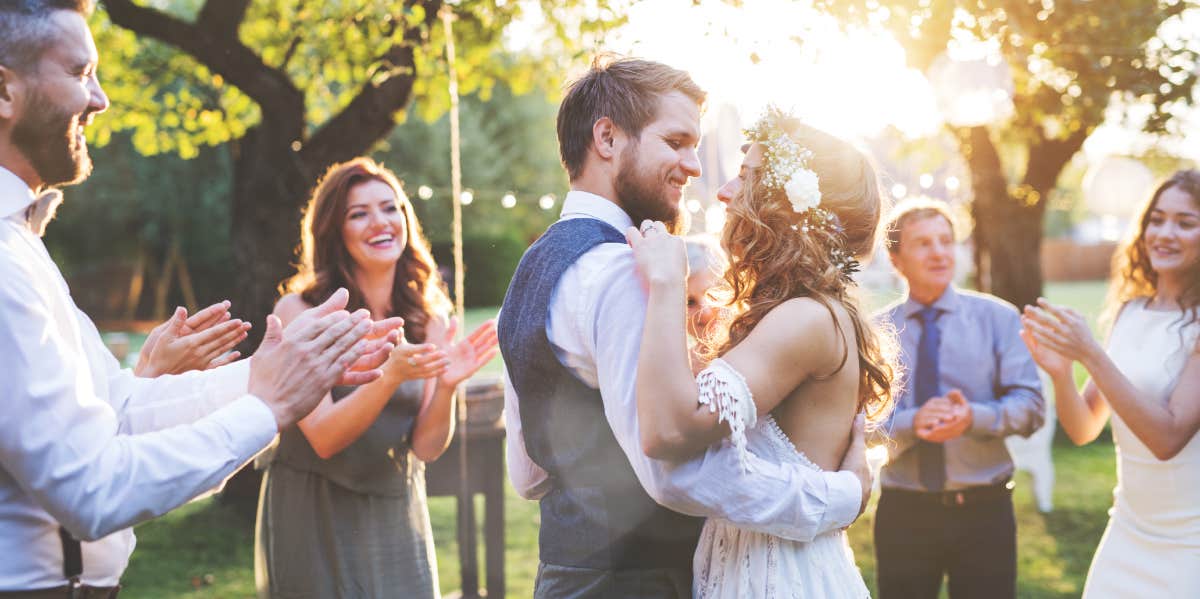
295	367
412	361
1057	336
378	345
943	418
197	343
467	355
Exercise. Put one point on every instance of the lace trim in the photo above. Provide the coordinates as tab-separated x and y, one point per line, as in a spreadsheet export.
782	438
724	391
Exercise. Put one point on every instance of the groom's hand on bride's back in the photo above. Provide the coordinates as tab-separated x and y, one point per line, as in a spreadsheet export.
855	460
295	367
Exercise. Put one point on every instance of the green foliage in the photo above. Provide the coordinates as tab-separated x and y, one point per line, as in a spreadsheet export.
329	51
204	538
137	205
489	263
1069	59
507	145
166	100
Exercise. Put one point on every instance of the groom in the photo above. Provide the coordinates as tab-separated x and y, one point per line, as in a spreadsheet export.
615	523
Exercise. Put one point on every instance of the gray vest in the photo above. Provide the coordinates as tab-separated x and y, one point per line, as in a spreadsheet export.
596	514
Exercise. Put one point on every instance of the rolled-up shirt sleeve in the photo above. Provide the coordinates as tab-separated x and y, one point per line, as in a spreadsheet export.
61	438
786	500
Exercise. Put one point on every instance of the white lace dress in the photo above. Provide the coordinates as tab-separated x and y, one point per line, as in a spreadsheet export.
740	564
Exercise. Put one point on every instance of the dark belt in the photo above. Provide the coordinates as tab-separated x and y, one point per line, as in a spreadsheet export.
79	591
959	498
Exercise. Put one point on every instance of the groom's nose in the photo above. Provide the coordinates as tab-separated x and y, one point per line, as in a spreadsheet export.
691	163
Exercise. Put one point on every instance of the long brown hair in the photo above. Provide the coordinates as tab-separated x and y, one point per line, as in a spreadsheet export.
772	262
1133	276
325	263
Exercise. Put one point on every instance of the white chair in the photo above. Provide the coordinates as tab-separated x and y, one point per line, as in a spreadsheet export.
1034	454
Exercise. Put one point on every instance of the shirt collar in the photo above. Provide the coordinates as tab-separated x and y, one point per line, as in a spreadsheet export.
585	204
948	302
15	195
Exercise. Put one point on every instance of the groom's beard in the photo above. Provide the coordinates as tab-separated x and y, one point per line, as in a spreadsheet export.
641	195
47	138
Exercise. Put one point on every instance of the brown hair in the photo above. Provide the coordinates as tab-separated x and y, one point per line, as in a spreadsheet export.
325	263
911	210
626	90
1133	276
774	263
26	30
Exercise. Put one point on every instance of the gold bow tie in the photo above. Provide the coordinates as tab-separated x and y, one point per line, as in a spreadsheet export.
42	210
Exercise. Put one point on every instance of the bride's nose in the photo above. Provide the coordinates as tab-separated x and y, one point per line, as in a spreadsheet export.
729	190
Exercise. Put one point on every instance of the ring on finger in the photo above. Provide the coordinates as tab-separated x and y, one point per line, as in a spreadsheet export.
412	361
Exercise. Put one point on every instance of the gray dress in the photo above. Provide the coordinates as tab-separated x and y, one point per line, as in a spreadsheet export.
353	526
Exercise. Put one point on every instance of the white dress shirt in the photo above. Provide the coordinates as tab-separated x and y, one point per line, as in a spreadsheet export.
594	326
86	444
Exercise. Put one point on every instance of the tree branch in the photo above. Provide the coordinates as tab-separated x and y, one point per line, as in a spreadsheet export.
225	56
222	17
1048	157
371	114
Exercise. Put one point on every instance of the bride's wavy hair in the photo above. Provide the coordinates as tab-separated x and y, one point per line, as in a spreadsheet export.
1134	276
772	262
325	263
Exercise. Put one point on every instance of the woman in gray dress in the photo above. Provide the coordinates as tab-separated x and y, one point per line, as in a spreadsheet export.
343	511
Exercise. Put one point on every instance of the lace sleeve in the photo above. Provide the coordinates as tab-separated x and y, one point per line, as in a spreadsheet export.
724	391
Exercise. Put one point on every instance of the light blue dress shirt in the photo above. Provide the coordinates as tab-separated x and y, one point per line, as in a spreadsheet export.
982	355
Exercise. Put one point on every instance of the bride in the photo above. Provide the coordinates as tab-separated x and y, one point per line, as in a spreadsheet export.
794	364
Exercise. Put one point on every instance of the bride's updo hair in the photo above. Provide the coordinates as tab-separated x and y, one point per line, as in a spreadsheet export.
777	255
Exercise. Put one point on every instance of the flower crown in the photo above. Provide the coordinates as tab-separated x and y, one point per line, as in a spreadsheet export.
785	169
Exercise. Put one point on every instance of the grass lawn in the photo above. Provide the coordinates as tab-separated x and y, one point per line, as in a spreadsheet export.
205	550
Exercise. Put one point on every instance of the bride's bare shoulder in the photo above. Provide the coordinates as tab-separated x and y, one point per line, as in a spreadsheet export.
806	315
805	326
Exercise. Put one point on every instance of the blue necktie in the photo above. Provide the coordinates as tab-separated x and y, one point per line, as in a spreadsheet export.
931	457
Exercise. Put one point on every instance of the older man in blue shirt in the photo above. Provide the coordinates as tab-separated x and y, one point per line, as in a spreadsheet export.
946	506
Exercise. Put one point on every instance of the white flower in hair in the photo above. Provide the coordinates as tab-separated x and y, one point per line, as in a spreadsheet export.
803	190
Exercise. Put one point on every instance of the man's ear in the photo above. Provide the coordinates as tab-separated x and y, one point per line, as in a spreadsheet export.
607	138
10	87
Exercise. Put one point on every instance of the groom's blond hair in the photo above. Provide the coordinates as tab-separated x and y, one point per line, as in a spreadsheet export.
626	90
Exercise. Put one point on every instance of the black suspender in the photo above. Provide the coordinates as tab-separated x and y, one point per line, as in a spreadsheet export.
72	556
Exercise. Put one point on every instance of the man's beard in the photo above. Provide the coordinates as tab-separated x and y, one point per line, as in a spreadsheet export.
46	137
641	195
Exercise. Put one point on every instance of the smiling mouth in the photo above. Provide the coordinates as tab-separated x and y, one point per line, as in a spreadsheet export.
381	240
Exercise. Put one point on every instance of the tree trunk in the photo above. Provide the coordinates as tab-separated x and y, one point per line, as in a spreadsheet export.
270	189
1008	222
1008	225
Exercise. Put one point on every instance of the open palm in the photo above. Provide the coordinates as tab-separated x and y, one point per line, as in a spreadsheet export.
468	355
1054	363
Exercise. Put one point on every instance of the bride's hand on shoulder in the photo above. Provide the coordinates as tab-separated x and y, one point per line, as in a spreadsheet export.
660	256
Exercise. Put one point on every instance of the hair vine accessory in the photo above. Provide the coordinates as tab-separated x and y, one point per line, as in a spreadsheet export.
786	163
786	170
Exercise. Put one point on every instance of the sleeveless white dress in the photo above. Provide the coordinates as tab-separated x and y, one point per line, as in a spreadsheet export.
731	563
1151	547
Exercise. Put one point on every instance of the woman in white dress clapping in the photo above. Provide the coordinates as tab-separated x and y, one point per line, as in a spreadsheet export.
1149	379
